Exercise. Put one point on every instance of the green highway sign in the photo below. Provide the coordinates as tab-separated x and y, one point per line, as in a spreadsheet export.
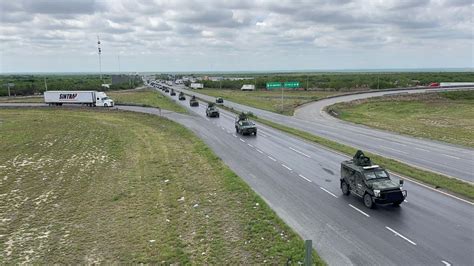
291	84
274	85
279	85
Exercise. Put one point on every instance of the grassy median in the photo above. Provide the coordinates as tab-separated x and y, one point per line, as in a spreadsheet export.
443	116
145	97
270	100
108	186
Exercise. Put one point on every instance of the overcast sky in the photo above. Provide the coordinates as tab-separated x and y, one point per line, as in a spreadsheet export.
174	35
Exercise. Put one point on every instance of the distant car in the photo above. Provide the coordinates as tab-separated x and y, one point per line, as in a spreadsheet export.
434	84
219	100
173	93
193	102
167	90
181	96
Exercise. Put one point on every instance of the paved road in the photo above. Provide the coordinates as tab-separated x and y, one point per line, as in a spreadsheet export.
430	155
299	180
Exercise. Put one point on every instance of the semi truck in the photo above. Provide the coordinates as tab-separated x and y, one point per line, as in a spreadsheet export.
90	98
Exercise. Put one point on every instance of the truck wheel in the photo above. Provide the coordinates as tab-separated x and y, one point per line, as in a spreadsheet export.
345	188
236	130
368	201
255	133
105	105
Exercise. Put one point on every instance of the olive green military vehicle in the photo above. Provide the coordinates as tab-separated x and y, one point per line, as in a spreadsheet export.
244	126
370	182
219	100
212	111
193	102
181	96
172	93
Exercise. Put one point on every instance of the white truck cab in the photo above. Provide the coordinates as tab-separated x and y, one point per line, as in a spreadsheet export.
101	99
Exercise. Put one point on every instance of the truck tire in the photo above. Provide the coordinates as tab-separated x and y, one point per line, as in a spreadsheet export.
106	105
368	201
236	130
345	188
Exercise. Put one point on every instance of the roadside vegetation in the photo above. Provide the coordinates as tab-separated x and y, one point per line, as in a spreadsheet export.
342	81
25	85
443	116
269	100
145	97
83	187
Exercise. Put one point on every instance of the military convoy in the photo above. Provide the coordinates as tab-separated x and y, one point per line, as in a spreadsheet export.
212	111
193	102
244	126
370	182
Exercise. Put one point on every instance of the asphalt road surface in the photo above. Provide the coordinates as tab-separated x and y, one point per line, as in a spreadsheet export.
300	181
438	157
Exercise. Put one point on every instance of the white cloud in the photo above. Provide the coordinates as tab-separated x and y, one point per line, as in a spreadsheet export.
178	30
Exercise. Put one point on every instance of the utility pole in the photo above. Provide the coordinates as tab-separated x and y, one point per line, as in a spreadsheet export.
100	60
45	84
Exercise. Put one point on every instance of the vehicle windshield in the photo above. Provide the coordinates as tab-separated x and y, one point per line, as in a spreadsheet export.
374	174
247	123
105	98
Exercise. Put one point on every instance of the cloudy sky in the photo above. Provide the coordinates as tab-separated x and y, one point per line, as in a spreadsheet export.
178	35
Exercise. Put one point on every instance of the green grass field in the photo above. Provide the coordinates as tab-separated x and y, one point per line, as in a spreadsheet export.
119	187
269	100
146	97
445	116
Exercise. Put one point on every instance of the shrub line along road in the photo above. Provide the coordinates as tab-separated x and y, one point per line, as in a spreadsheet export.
429	229
434	156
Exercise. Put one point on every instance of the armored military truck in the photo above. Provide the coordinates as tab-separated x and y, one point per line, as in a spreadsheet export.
212	111
370	182
219	100
244	126
172	93
193	102
181	96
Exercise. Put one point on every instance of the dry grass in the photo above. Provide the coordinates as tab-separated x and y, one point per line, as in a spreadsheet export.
119	187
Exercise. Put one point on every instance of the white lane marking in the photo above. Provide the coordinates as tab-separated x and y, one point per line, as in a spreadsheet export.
235	136
259	151
302	176
433	189
420	149
228	131
400	235
297	151
329	192
271	158
242	140
385	147
450	156
223	128
405	200
263	135
446	263
357	209
250	145
286	167
207	119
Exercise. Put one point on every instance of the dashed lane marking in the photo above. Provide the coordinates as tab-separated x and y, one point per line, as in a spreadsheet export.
329	192
357	209
400	235
302	176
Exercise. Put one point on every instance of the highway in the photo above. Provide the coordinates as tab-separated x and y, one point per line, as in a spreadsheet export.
438	157
300	182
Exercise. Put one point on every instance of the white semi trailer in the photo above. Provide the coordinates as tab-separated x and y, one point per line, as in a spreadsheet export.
90	98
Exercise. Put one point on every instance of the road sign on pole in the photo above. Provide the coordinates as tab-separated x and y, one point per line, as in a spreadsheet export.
274	85
291	84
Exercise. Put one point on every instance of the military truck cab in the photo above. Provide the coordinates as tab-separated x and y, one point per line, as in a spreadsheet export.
370	182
